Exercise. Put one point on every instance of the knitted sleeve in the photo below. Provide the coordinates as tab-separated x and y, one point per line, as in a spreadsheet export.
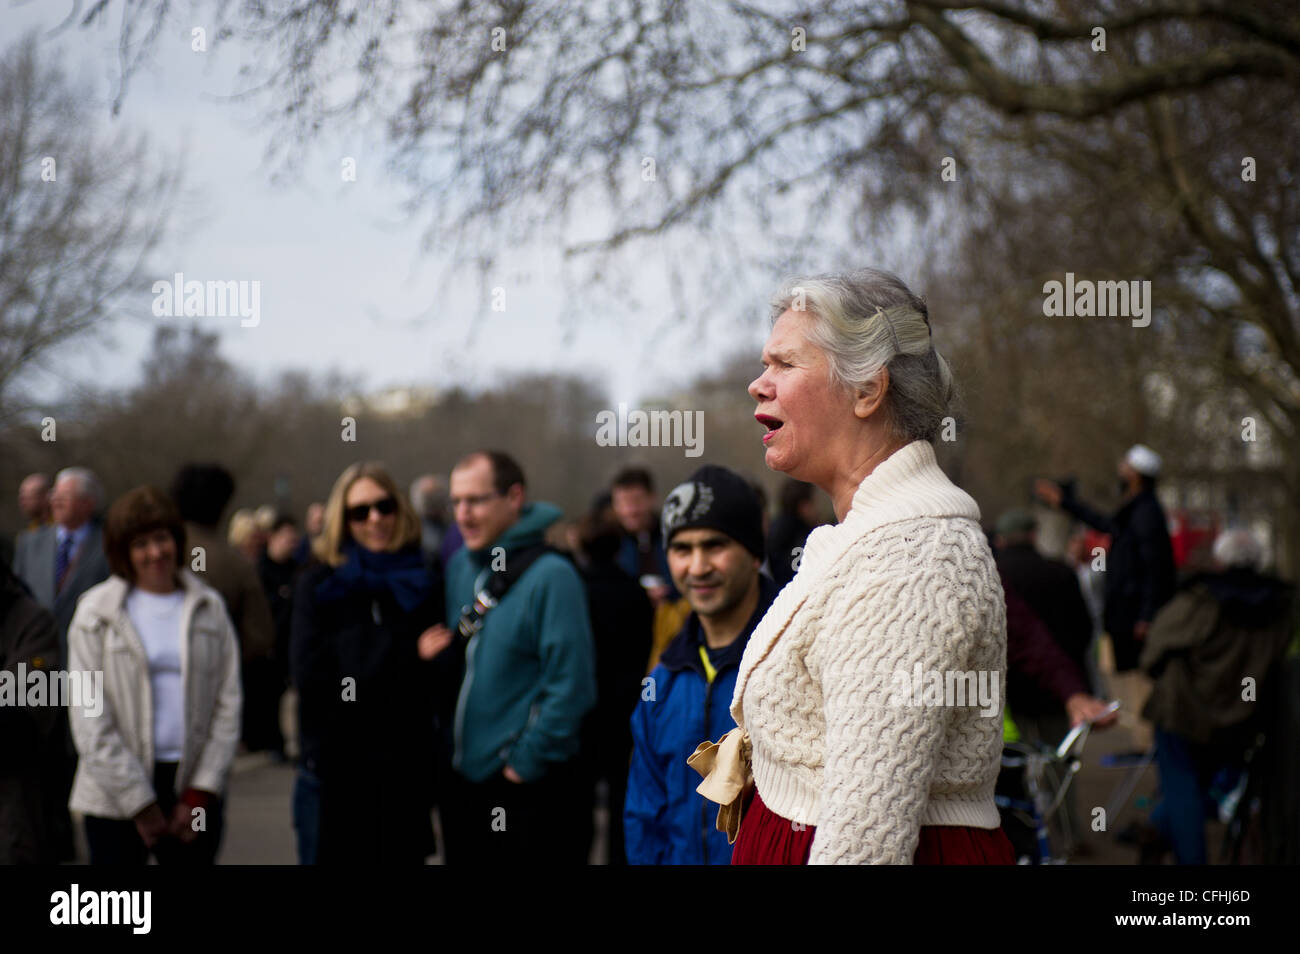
882	748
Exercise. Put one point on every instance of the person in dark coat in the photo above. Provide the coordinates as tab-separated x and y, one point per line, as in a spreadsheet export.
201	492
797	519
277	569
1213	654
1034	659
1140	572
366	699
622	623
1052	591
429	501
641	553
27	637
1038	667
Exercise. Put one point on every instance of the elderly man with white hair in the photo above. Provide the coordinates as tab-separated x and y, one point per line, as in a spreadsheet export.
61	561
1139	575
1212	653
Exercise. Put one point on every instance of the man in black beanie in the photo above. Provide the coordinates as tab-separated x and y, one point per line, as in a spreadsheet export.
713	531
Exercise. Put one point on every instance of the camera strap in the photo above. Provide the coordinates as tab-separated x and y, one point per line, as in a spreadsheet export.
491	591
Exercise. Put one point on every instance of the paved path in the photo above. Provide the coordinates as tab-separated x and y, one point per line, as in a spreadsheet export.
259	829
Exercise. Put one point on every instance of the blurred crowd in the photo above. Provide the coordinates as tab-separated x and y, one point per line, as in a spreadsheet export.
457	649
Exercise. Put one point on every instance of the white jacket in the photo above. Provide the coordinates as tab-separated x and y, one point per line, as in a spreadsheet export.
905	586
115	773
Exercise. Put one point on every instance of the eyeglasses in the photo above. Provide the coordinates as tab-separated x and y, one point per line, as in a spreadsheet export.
386	507
472	501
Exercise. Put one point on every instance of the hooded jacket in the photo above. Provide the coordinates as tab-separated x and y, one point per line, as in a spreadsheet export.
665	820
1219	630
530	670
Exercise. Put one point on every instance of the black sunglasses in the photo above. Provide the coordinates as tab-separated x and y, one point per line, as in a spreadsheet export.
386	507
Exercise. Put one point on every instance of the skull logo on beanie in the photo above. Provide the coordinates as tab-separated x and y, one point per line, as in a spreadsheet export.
715	498
687	503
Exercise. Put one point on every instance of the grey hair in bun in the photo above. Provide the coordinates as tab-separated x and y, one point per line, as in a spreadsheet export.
867	320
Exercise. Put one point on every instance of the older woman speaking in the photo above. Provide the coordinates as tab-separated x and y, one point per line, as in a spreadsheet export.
852	761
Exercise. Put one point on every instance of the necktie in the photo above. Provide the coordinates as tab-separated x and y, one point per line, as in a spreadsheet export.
61	560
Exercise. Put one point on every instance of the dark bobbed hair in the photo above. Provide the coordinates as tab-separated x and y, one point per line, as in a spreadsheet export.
137	512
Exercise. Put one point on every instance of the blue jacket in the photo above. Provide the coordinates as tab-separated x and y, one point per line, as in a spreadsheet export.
530	671
665	821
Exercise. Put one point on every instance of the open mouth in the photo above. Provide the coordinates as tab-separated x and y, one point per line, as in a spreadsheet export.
772	424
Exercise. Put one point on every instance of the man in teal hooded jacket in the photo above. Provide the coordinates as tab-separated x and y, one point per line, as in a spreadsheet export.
529	679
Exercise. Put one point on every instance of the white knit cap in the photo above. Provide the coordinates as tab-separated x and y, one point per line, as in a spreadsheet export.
1144	460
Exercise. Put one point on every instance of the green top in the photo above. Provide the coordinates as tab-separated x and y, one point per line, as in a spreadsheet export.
530	670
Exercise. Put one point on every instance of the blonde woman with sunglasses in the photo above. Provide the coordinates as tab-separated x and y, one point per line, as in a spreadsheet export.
366	698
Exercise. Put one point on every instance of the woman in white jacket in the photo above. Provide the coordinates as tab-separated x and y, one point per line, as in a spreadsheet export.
156	742
855	757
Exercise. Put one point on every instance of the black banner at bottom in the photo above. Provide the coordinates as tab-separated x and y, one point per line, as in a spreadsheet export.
243	903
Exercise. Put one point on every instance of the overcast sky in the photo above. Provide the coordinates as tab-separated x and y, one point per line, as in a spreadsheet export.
343	283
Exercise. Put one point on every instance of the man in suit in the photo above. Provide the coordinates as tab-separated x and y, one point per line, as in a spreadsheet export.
34	500
59	563
34	504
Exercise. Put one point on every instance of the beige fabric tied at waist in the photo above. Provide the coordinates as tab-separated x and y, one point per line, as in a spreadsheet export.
725	766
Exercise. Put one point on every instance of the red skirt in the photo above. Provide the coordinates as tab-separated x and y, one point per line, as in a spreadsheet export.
765	838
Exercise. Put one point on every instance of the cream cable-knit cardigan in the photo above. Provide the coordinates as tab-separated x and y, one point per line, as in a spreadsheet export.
905	578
